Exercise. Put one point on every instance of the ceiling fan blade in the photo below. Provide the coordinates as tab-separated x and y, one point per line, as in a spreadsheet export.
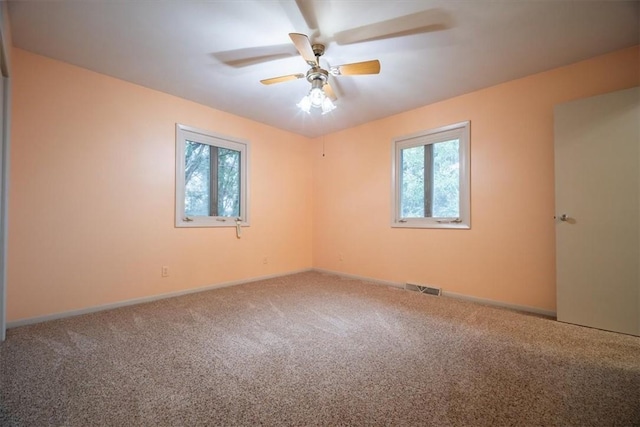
415	23
366	67
303	45
308	13
281	79
239	58
328	90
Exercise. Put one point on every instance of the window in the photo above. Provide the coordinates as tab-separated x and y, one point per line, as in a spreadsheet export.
211	179
431	186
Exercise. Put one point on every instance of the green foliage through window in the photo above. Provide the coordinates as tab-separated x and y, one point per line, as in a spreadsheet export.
212	180
430	180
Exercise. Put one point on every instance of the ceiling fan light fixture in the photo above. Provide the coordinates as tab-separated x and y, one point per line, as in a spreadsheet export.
305	104
316	94
317	98
327	105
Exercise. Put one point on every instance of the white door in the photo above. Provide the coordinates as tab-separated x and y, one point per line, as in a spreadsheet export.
597	177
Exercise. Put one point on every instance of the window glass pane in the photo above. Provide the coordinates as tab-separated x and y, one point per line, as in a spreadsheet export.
446	179
431	181
228	182
197	176
412	197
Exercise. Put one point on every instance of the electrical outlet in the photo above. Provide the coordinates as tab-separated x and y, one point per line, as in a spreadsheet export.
165	271
340	258
265	260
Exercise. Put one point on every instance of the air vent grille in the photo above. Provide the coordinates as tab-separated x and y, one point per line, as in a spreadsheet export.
423	289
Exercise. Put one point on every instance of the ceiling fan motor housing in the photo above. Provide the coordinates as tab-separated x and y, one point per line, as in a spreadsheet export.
317	74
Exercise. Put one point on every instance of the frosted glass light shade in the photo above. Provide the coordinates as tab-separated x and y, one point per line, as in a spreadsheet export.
305	104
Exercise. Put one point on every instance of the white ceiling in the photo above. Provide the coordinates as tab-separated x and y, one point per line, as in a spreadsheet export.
216	52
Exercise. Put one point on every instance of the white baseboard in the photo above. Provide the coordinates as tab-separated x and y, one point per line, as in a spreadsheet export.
363	278
71	313
523	308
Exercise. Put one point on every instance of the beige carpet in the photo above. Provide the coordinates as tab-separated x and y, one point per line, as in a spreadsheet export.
316	349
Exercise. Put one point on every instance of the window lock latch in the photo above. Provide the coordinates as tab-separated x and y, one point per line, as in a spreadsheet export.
187	219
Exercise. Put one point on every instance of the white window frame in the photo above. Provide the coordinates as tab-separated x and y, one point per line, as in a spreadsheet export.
189	133
460	131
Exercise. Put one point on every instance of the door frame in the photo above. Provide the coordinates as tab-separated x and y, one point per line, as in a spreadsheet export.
5	120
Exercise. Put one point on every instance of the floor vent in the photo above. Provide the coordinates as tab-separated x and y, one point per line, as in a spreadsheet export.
423	289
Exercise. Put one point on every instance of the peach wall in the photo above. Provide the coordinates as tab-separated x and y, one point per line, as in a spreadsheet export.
92	194
509	253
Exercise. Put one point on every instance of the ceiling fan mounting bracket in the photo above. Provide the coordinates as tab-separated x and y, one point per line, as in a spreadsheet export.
318	49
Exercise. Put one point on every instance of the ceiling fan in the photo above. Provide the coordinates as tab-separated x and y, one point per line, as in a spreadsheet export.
321	94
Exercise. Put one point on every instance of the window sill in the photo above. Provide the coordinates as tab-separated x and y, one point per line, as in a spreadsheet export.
209	223
418	223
